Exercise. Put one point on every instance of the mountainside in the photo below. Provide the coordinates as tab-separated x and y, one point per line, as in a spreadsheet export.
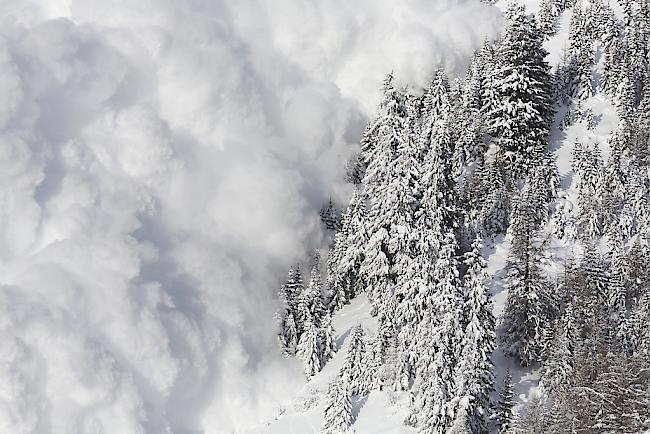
539	166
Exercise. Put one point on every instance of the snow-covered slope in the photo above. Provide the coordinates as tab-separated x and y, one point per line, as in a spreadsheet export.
384	411
380	412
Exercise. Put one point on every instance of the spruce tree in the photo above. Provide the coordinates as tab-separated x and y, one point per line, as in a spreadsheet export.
293	291
534	417
548	17
391	186
405	356
438	345
313	294
346	256
290	295
288	335
475	376
520	113
437	102
329	215
338	409
639	325
587	163
612	52
308	348
617	293
527	309
504	415
353	365
557	371
372	378
327	343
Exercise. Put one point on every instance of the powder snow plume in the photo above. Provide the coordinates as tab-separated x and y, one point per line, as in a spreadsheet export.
162	163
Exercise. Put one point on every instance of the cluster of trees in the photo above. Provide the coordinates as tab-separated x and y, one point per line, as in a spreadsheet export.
592	342
306	327
441	170
595	362
438	172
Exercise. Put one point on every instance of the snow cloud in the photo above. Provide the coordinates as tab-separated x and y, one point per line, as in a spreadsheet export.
161	164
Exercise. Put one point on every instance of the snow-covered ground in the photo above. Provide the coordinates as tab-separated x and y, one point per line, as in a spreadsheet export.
380	412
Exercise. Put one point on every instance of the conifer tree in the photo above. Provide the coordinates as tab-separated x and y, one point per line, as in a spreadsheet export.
587	163
373	364
639	325
557	371
617	292
404	358
293	293
308	348
436	214
313	294
338	409
548	17
346	256
437	102
638	257
534	417
612	53
582	52
391	185
438	346
288	335
503	415
614	195
327	343
473	90
520	115
290	296
527	305
475	376
353	365
354	169
329	215
496	206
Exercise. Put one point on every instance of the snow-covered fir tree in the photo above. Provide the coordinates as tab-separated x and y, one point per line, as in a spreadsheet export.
520	114
587	163
290	317
326	339
352	370
557	371
438	343
308	347
391	186
372	368
503	412
346	254
548	17
338	408
329	215
528	305
288	334
313	295
475	376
